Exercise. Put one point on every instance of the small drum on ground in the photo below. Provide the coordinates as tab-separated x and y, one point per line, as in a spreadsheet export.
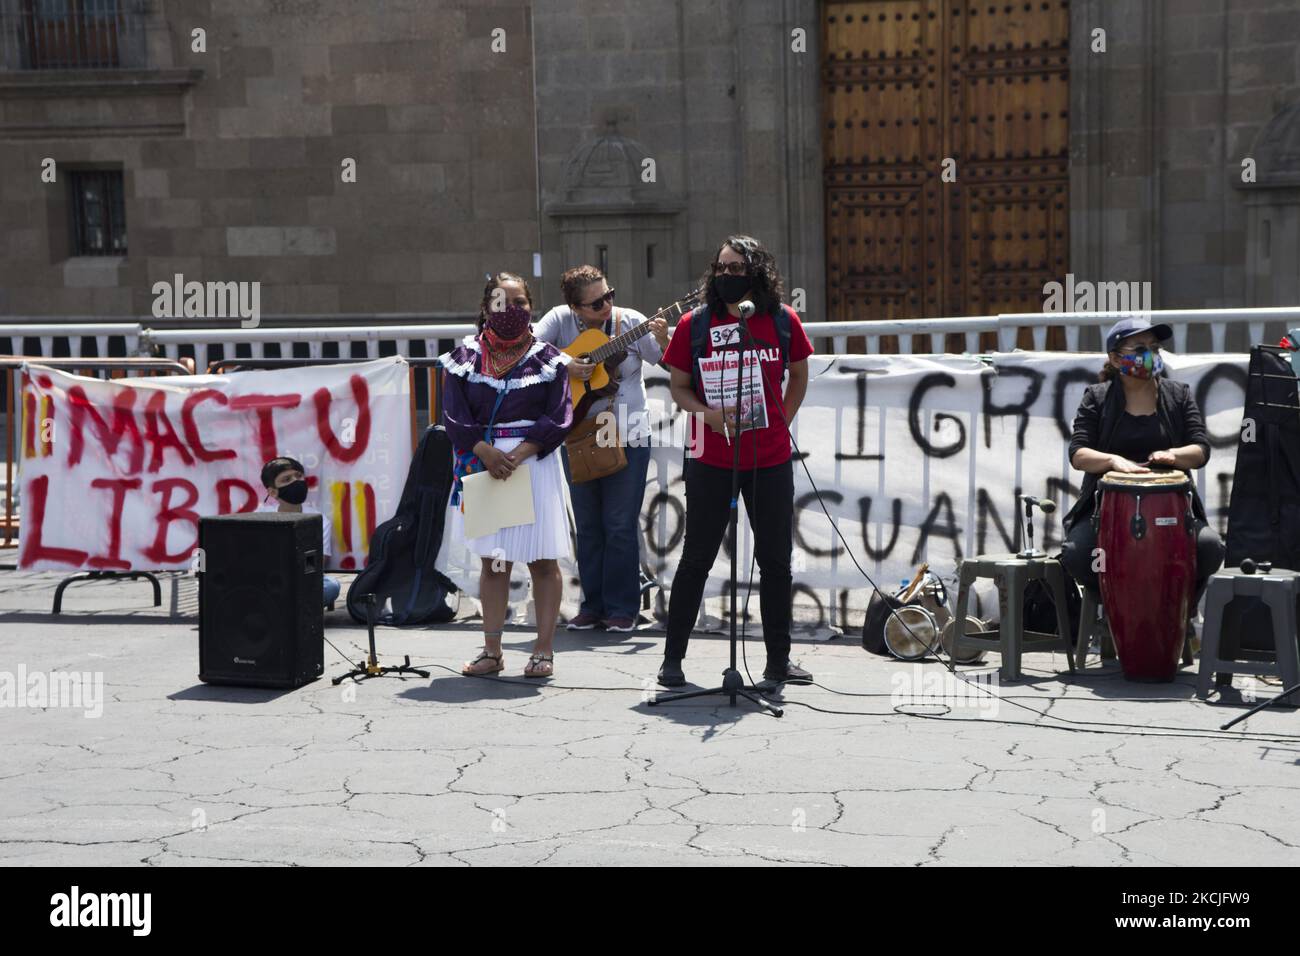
1147	541
911	632
970	656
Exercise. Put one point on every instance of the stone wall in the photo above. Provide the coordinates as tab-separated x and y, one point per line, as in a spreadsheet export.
1160	125
232	157
247	184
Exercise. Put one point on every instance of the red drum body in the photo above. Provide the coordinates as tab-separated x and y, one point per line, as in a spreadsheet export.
1148	543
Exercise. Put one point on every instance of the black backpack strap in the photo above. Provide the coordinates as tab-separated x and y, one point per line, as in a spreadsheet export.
699	335
783	331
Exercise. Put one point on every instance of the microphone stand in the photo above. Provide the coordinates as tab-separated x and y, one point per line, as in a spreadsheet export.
1028	525
1272	701
733	685
371	668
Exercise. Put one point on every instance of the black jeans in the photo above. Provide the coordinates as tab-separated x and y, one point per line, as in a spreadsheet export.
1081	540
708	497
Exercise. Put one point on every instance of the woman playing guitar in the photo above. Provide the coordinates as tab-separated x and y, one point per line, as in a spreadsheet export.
606	509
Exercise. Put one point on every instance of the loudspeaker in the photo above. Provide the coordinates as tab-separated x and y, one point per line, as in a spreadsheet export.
261	614
1264	510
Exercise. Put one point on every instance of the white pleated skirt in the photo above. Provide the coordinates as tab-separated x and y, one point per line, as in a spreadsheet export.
548	535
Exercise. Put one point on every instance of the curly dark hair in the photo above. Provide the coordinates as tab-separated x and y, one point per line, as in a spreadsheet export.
492	283
577	279
760	264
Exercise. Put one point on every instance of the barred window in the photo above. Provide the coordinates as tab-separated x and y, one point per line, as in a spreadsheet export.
71	34
98	213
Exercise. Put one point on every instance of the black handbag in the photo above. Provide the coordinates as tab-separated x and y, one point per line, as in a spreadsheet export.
879	609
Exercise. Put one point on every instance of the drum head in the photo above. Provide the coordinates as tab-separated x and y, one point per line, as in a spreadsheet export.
1143	484
910	632
969	656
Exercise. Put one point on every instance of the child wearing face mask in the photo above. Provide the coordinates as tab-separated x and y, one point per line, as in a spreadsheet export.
286	489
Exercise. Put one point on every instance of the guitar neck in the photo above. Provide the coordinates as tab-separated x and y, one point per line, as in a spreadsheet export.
620	342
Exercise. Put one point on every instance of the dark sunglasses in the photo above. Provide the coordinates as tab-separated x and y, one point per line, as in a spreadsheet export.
599	303
734	268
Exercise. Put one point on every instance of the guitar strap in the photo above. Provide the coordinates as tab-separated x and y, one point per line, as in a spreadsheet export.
613	378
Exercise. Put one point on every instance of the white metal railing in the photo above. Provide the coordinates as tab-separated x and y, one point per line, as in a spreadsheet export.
437	331
78	334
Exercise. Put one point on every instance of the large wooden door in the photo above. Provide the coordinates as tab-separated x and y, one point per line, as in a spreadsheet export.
911	88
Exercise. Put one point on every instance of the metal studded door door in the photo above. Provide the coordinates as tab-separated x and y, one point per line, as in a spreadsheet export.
946	156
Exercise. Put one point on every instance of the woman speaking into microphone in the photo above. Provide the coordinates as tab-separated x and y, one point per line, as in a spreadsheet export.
742	272
1134	419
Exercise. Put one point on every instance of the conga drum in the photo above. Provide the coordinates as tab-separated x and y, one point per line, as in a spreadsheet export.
1148	546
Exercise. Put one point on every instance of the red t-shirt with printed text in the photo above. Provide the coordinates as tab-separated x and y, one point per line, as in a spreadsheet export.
770	433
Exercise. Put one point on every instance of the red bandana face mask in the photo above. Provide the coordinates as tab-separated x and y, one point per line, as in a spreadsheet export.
510	324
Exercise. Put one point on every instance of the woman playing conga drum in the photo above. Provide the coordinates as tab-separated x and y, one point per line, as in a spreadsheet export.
1134	421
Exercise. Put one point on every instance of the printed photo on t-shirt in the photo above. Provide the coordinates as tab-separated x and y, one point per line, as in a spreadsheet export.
719	375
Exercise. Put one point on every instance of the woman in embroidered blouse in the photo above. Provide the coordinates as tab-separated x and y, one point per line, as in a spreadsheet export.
506	368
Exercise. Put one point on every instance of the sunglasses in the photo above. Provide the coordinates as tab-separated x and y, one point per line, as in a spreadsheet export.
1134	349
732	268
600	303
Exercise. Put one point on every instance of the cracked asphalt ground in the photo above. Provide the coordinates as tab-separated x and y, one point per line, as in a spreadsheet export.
456	771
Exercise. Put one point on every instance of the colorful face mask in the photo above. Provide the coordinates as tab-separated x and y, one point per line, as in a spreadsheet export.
510	323
1143	363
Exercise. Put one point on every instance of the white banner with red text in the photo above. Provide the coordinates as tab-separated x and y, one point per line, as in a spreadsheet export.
115	474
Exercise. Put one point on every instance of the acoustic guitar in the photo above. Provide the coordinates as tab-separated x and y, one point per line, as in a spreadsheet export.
593	345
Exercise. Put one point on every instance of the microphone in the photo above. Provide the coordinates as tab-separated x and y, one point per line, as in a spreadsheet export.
1047	507
746	310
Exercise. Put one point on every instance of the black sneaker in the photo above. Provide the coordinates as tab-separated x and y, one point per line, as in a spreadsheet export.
670	673
788	673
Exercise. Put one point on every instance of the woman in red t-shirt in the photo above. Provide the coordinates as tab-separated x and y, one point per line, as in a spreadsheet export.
742	271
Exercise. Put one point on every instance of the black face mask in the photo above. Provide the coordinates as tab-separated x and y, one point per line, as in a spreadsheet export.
731	289
294	493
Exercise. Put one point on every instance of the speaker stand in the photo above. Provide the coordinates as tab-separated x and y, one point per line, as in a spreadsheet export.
372	668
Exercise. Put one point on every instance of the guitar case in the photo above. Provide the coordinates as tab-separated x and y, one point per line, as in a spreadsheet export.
403	550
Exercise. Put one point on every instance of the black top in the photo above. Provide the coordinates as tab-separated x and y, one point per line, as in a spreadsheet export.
1137	436
1099	419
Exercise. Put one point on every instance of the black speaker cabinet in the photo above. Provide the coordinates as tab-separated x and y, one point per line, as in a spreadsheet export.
261	616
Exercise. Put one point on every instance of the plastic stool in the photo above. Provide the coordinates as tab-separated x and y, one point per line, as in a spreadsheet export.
1277	589
1011	573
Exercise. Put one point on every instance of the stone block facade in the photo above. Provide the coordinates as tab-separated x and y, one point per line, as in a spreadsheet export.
232	157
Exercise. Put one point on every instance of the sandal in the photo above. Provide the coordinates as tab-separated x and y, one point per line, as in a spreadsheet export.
540	665
473	668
